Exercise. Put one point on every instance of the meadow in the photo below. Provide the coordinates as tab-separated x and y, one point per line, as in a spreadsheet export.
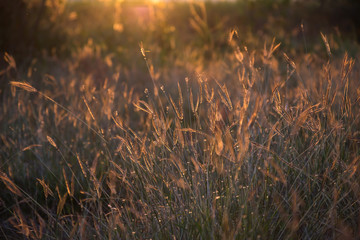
137	120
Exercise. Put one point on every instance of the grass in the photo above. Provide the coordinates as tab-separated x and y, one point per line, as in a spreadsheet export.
198	141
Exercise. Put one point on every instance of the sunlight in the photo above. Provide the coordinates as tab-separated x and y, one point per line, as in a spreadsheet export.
180	119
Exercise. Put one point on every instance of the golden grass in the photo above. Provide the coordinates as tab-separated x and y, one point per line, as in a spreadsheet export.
258	144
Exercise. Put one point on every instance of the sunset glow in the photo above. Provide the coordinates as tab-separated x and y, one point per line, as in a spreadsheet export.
171	119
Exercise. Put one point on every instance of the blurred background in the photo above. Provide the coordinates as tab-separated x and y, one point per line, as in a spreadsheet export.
31	27
102	37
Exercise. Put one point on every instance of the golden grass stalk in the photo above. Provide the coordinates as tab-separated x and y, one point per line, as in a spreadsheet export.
10	184
81	165
47	190
289	61
327	45
177	110
51	141
23	85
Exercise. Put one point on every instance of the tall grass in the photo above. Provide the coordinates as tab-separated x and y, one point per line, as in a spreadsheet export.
262	144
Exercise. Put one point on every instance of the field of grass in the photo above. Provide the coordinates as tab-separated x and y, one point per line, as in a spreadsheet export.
179	121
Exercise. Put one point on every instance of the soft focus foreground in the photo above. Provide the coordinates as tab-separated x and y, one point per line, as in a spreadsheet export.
178	121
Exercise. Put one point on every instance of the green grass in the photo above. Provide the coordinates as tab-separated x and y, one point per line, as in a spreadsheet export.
161	137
